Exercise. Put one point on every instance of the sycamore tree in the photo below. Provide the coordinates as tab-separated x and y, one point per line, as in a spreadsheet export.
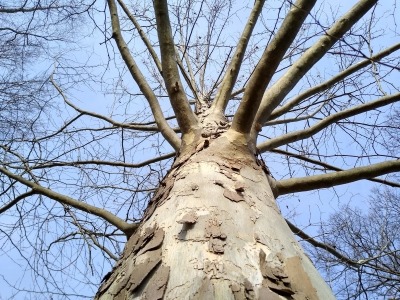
200	115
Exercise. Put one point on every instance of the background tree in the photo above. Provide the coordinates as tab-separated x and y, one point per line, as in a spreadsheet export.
360	251
303	86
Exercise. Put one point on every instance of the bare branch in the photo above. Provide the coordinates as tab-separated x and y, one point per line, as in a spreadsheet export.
300	233
102	248
23	9
16	200
142	35
328	166
186	118
275	95
102	162
101	117
269	62
309	183
303	134
85	232
63	199
137	75
329	83
297	118
225	91
188	77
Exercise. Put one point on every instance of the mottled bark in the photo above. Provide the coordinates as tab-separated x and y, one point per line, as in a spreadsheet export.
214	231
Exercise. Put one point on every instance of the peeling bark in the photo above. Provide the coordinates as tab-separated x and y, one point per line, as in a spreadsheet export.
213	231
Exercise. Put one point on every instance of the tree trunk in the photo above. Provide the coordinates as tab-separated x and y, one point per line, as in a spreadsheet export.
214	231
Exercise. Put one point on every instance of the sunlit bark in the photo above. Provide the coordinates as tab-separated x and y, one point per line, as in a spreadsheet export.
214	231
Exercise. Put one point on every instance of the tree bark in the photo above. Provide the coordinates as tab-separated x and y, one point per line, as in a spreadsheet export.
214	231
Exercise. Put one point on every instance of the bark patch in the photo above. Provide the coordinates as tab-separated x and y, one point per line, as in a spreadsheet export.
233	195
216	237
155	289
266	294
143	270
206	290
129	282
249	290
300	279
275	278
239	186
161	195
243	292
144	239
213	268
260	162
189	218
216	246
238	292
219	183
155	242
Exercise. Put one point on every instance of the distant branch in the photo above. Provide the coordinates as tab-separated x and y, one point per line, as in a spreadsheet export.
99	116
189	78
309	183
23	9
368	262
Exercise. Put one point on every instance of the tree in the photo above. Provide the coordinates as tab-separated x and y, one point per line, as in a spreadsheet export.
205	224
363	249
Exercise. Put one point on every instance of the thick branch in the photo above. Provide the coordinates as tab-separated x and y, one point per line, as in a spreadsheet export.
309	183
137	75
303	134
269	62
186	118
225	91
275	95
329	83
330	167
63	199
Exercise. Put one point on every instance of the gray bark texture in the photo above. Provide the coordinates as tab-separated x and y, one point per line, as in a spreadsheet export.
214	231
